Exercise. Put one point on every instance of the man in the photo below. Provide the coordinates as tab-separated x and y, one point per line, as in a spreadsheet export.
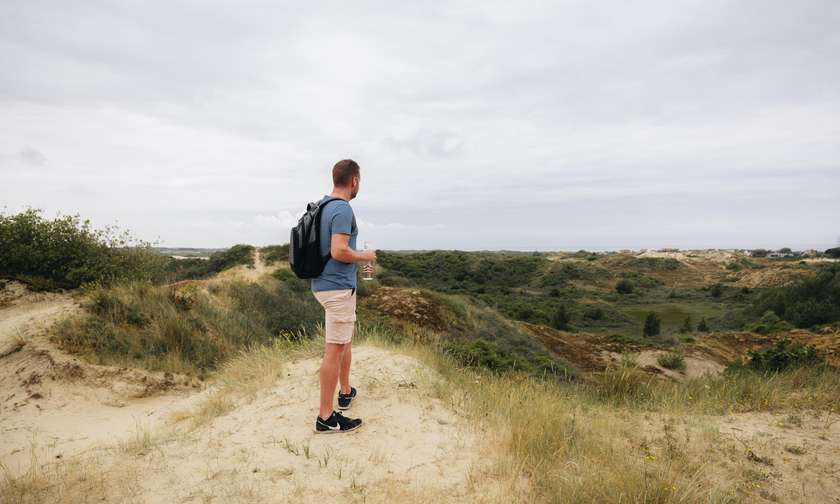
335	289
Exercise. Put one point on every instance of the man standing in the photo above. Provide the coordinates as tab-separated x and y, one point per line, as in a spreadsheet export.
335	289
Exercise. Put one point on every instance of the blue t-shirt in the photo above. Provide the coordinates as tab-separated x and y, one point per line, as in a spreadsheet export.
336	217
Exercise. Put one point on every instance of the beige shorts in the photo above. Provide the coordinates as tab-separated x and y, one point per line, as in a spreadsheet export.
339	314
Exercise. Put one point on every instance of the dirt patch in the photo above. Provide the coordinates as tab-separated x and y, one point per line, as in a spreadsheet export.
696	366
730	346
410	305
586	351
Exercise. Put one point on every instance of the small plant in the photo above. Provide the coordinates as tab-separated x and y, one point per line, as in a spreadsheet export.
652	325
702	326
687	326
672	360
796	450
629	360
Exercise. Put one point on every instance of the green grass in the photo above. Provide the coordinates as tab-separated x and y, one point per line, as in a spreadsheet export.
672	314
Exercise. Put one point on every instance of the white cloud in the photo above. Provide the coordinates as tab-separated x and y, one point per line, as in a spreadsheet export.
477	125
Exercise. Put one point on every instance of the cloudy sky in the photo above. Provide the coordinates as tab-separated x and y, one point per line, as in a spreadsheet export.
478	125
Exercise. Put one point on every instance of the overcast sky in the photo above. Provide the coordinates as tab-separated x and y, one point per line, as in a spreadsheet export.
478	125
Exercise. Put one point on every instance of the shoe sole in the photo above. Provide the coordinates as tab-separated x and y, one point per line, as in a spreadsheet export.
345	408
338	431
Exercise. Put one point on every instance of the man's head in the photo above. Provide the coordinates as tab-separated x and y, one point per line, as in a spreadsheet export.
346	176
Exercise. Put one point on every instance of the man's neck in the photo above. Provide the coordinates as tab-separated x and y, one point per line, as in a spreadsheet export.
341	192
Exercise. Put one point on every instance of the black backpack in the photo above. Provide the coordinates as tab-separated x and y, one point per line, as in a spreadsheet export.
305	257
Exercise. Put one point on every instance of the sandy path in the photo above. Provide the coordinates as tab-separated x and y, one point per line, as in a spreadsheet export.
19	322
245	273
411	448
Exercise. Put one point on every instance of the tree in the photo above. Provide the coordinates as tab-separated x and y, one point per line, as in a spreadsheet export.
702	326
687	326
624	287
561	318
652	323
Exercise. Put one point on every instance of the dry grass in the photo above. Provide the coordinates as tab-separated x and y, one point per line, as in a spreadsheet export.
622	437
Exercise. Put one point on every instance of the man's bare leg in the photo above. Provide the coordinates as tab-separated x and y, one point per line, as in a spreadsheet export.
329	377
344	369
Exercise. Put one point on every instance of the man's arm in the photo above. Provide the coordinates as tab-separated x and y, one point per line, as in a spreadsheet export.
340	250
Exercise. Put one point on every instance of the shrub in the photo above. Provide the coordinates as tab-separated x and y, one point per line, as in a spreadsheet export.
785	355
624	287
652	323
716	290
237	255
593	313
769	323
702	326
671	360
561	318
686	327
67	252
806	303
275	253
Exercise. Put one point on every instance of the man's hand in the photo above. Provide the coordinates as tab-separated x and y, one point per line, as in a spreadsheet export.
369	256
341	251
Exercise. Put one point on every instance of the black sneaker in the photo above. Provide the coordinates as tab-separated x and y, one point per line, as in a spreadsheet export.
336	423
345	400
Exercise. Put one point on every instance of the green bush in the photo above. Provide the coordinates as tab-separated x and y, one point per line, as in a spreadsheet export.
561	318
624	287
672	360
769	323
652	325
785	355
805	303
237	255
275	253
66	252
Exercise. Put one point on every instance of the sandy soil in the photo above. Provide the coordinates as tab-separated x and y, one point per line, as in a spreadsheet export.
770	457
53	404
411	448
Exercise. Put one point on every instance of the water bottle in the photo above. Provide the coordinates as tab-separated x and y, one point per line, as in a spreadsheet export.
367	275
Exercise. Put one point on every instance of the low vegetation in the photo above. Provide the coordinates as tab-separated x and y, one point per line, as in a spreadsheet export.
805	303
785	355
187	328
672	360
273	254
